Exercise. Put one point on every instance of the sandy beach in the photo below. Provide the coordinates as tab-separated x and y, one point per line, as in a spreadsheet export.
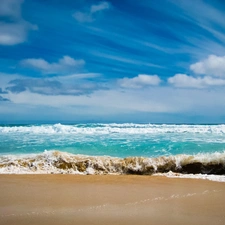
74	199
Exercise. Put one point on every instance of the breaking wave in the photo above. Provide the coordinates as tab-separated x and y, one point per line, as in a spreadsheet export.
62	162
128	128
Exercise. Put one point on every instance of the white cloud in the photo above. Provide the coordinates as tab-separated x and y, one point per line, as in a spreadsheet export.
212	66
14	29
212	71
89	16
65	64
185	81
139	81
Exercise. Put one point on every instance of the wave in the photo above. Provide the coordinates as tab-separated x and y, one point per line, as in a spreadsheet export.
128	128
62	162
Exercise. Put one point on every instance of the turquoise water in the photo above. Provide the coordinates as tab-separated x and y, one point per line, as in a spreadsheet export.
142	149
117	140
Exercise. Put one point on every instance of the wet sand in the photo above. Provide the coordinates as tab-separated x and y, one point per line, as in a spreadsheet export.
73	199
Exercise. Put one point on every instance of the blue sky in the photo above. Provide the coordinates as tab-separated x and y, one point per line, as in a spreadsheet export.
112	61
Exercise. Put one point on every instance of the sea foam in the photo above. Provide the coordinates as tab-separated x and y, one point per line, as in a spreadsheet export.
129	128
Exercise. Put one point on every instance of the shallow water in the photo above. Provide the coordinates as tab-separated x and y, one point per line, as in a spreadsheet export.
118	140
150	148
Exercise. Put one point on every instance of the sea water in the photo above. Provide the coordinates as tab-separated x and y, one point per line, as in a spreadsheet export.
113	149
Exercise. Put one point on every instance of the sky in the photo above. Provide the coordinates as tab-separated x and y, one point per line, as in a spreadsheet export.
112	61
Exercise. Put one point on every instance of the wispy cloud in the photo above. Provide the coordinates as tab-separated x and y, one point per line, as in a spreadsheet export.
206	33
124	60
91	13
13	27
140	81
210	19
195	34
65	65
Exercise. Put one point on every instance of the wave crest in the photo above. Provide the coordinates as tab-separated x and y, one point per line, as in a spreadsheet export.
62	162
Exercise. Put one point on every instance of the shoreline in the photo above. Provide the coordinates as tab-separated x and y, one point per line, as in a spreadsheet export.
108	199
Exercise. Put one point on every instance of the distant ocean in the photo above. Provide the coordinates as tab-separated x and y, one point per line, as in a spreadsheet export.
146	149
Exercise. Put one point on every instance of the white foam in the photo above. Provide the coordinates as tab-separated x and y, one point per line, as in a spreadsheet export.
115	128
217	178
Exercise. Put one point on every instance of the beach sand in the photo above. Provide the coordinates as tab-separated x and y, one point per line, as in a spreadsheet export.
110	199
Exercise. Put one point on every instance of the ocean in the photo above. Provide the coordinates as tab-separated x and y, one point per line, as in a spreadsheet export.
183	150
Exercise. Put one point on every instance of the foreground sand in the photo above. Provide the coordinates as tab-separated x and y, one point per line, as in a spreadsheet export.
71	199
